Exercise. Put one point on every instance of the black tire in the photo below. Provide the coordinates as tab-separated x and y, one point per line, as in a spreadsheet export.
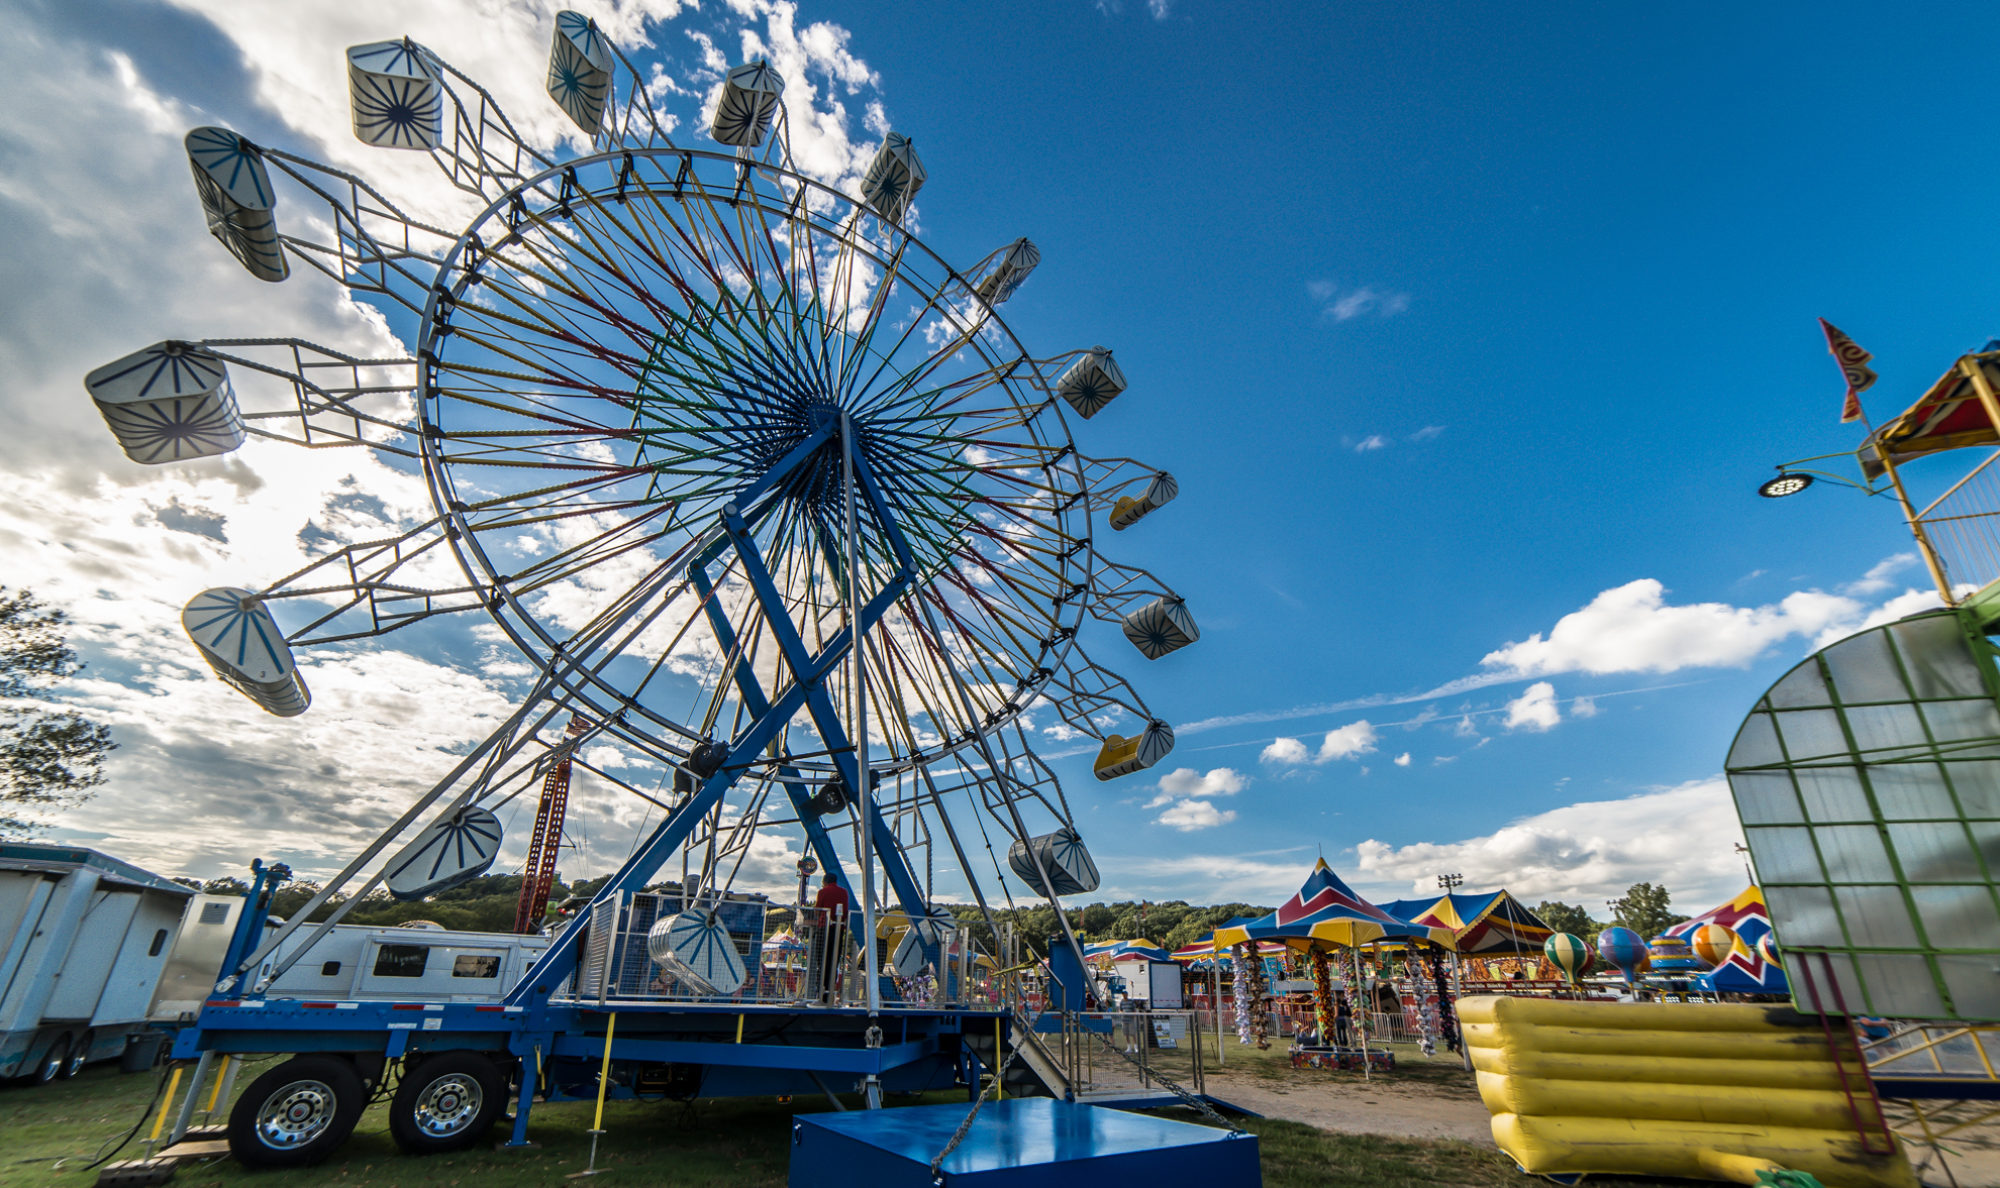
297	1113
78	1053
447	1102
54	1059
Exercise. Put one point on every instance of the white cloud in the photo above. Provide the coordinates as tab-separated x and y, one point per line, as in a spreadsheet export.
1427	432
1341	305
1877	579
1185	783
1631	628
1403	760
1190	815
1583	707
1588	851
1374	441
1284	752
1188	796
1534	709
1346	742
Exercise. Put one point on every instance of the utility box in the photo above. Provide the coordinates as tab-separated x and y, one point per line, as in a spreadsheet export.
1030	1142
1163	986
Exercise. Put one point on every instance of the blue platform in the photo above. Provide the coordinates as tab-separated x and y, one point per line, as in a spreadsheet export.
1027	1141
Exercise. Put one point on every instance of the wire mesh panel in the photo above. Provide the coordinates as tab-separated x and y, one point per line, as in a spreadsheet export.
1868	783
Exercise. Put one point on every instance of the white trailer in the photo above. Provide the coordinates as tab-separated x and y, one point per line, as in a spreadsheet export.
83	940
420	963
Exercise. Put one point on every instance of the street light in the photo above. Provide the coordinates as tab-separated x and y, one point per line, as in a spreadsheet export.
1448	882
1787	483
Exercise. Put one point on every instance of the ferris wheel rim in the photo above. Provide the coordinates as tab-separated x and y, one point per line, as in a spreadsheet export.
524	629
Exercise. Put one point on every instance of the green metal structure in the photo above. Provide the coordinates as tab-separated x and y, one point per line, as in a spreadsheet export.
1868	783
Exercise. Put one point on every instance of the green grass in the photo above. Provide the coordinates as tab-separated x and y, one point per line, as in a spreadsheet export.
48	1133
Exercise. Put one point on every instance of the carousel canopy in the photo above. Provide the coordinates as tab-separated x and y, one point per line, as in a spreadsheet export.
1487	924
1326	912
1745	971
1949	416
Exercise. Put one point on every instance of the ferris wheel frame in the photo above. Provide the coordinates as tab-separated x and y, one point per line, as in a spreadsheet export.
563	189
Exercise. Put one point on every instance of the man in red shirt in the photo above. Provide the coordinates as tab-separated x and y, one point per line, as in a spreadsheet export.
830	906
832	898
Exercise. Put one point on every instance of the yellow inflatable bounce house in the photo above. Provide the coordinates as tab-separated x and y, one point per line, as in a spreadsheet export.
1717	1091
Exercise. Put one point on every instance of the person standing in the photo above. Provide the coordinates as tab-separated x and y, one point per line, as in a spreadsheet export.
830	908
1341	1018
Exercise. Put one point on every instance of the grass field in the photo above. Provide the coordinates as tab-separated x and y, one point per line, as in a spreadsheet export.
48	1134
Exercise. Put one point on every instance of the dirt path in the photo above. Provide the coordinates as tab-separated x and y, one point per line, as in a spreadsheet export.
1421	1099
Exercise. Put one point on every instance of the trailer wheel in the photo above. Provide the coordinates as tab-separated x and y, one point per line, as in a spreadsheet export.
78	1053
297	1113
53	1061
447	1103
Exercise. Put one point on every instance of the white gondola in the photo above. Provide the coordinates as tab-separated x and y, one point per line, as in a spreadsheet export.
396	98
1063	855
580	70
697	950
1129	511
236	195
748	105
453	849
1123	756
909	958
1015	262
168	403
893	178
242	643
1163	625
1091	382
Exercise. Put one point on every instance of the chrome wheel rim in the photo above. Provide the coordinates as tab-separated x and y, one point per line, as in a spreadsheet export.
295	1115
448	1105
52	1064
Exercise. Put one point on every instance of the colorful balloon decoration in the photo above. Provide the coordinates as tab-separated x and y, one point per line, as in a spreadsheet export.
1713	943
1623	948
1568	953
1767	948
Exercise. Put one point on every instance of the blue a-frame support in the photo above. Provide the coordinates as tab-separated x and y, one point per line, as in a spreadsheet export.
807	691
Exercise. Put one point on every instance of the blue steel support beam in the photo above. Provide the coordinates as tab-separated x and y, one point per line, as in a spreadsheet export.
831	730
757	705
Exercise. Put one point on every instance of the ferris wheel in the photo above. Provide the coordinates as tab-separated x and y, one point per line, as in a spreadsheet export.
762	487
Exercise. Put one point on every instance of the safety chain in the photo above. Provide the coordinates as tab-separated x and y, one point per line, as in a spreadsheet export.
965	1127
1192	1099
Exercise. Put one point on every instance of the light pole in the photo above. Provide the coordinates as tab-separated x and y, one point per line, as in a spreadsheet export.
1450	882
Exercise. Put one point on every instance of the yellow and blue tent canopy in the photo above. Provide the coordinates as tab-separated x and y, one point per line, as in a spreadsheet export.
1203	947
1325	913
1484	923
1120	950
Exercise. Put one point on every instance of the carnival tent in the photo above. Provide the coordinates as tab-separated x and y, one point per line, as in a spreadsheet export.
1125	950
1325	912
1745	971
1488	923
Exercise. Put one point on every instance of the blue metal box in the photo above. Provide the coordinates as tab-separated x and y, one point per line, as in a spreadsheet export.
1028	1141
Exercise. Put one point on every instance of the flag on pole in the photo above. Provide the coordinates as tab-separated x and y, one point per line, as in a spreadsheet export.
1853	367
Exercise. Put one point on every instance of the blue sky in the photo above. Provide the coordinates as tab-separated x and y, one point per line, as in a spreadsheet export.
1467	337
